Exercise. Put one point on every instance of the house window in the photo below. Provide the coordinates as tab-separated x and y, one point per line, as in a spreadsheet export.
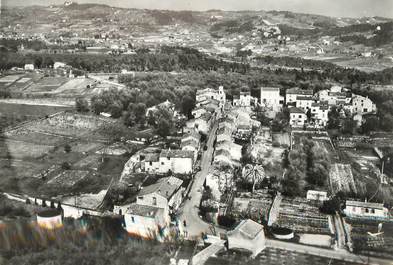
300	116
162	163
365	110
154	201
150	163
373	211
140	198
132	219
366	210
168	158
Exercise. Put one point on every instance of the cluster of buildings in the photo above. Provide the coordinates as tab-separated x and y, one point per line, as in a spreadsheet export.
209	103
149	216
307	107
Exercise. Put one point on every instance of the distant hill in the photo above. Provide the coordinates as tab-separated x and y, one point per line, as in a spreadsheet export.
217	22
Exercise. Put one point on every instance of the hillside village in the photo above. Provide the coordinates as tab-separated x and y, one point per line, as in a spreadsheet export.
245	165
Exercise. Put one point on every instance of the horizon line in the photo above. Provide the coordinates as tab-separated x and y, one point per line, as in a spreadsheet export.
194	10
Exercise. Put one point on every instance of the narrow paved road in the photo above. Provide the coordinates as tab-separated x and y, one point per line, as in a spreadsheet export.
189	212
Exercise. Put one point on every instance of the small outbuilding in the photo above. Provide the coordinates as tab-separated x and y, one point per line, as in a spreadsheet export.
248	235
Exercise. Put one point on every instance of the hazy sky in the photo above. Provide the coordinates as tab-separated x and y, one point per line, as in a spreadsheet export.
338	8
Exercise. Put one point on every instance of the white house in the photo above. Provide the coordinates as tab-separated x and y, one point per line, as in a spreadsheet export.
177	161
146	221
271	98
151	162
314	195
292	94
223	137
369	210
166	193
198	112
164	105
193	135
210	93
304	102
362	105
57	65
248	235
297	117
191	145
319	113
202	124
29	67
244	100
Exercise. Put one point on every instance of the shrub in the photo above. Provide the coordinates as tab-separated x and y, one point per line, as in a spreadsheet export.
226	220
67	148
66	166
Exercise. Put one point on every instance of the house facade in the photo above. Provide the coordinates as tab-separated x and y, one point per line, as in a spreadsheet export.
362	105
146	221
210	93
304	102
177	161
319	114
166	193
244	100
271	98
29	67
292	94
366	210
314	195
151	162
297	117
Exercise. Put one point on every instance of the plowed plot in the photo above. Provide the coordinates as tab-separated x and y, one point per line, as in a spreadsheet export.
341	178
68	178
19	149
67	124
38	138
367	244
299	215
21	169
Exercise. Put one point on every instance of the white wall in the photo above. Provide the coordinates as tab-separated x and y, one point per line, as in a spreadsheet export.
272	99
182	165
297	119
152	166
148	199
361	212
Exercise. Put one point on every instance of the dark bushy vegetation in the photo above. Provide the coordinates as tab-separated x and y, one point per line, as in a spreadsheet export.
307	167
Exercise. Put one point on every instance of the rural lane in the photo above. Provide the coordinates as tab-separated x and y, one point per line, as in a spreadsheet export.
189	212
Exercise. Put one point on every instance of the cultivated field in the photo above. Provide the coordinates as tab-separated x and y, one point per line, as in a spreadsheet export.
301	216
341	178
34	154
379	245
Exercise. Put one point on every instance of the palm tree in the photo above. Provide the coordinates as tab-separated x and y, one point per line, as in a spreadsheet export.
253	174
